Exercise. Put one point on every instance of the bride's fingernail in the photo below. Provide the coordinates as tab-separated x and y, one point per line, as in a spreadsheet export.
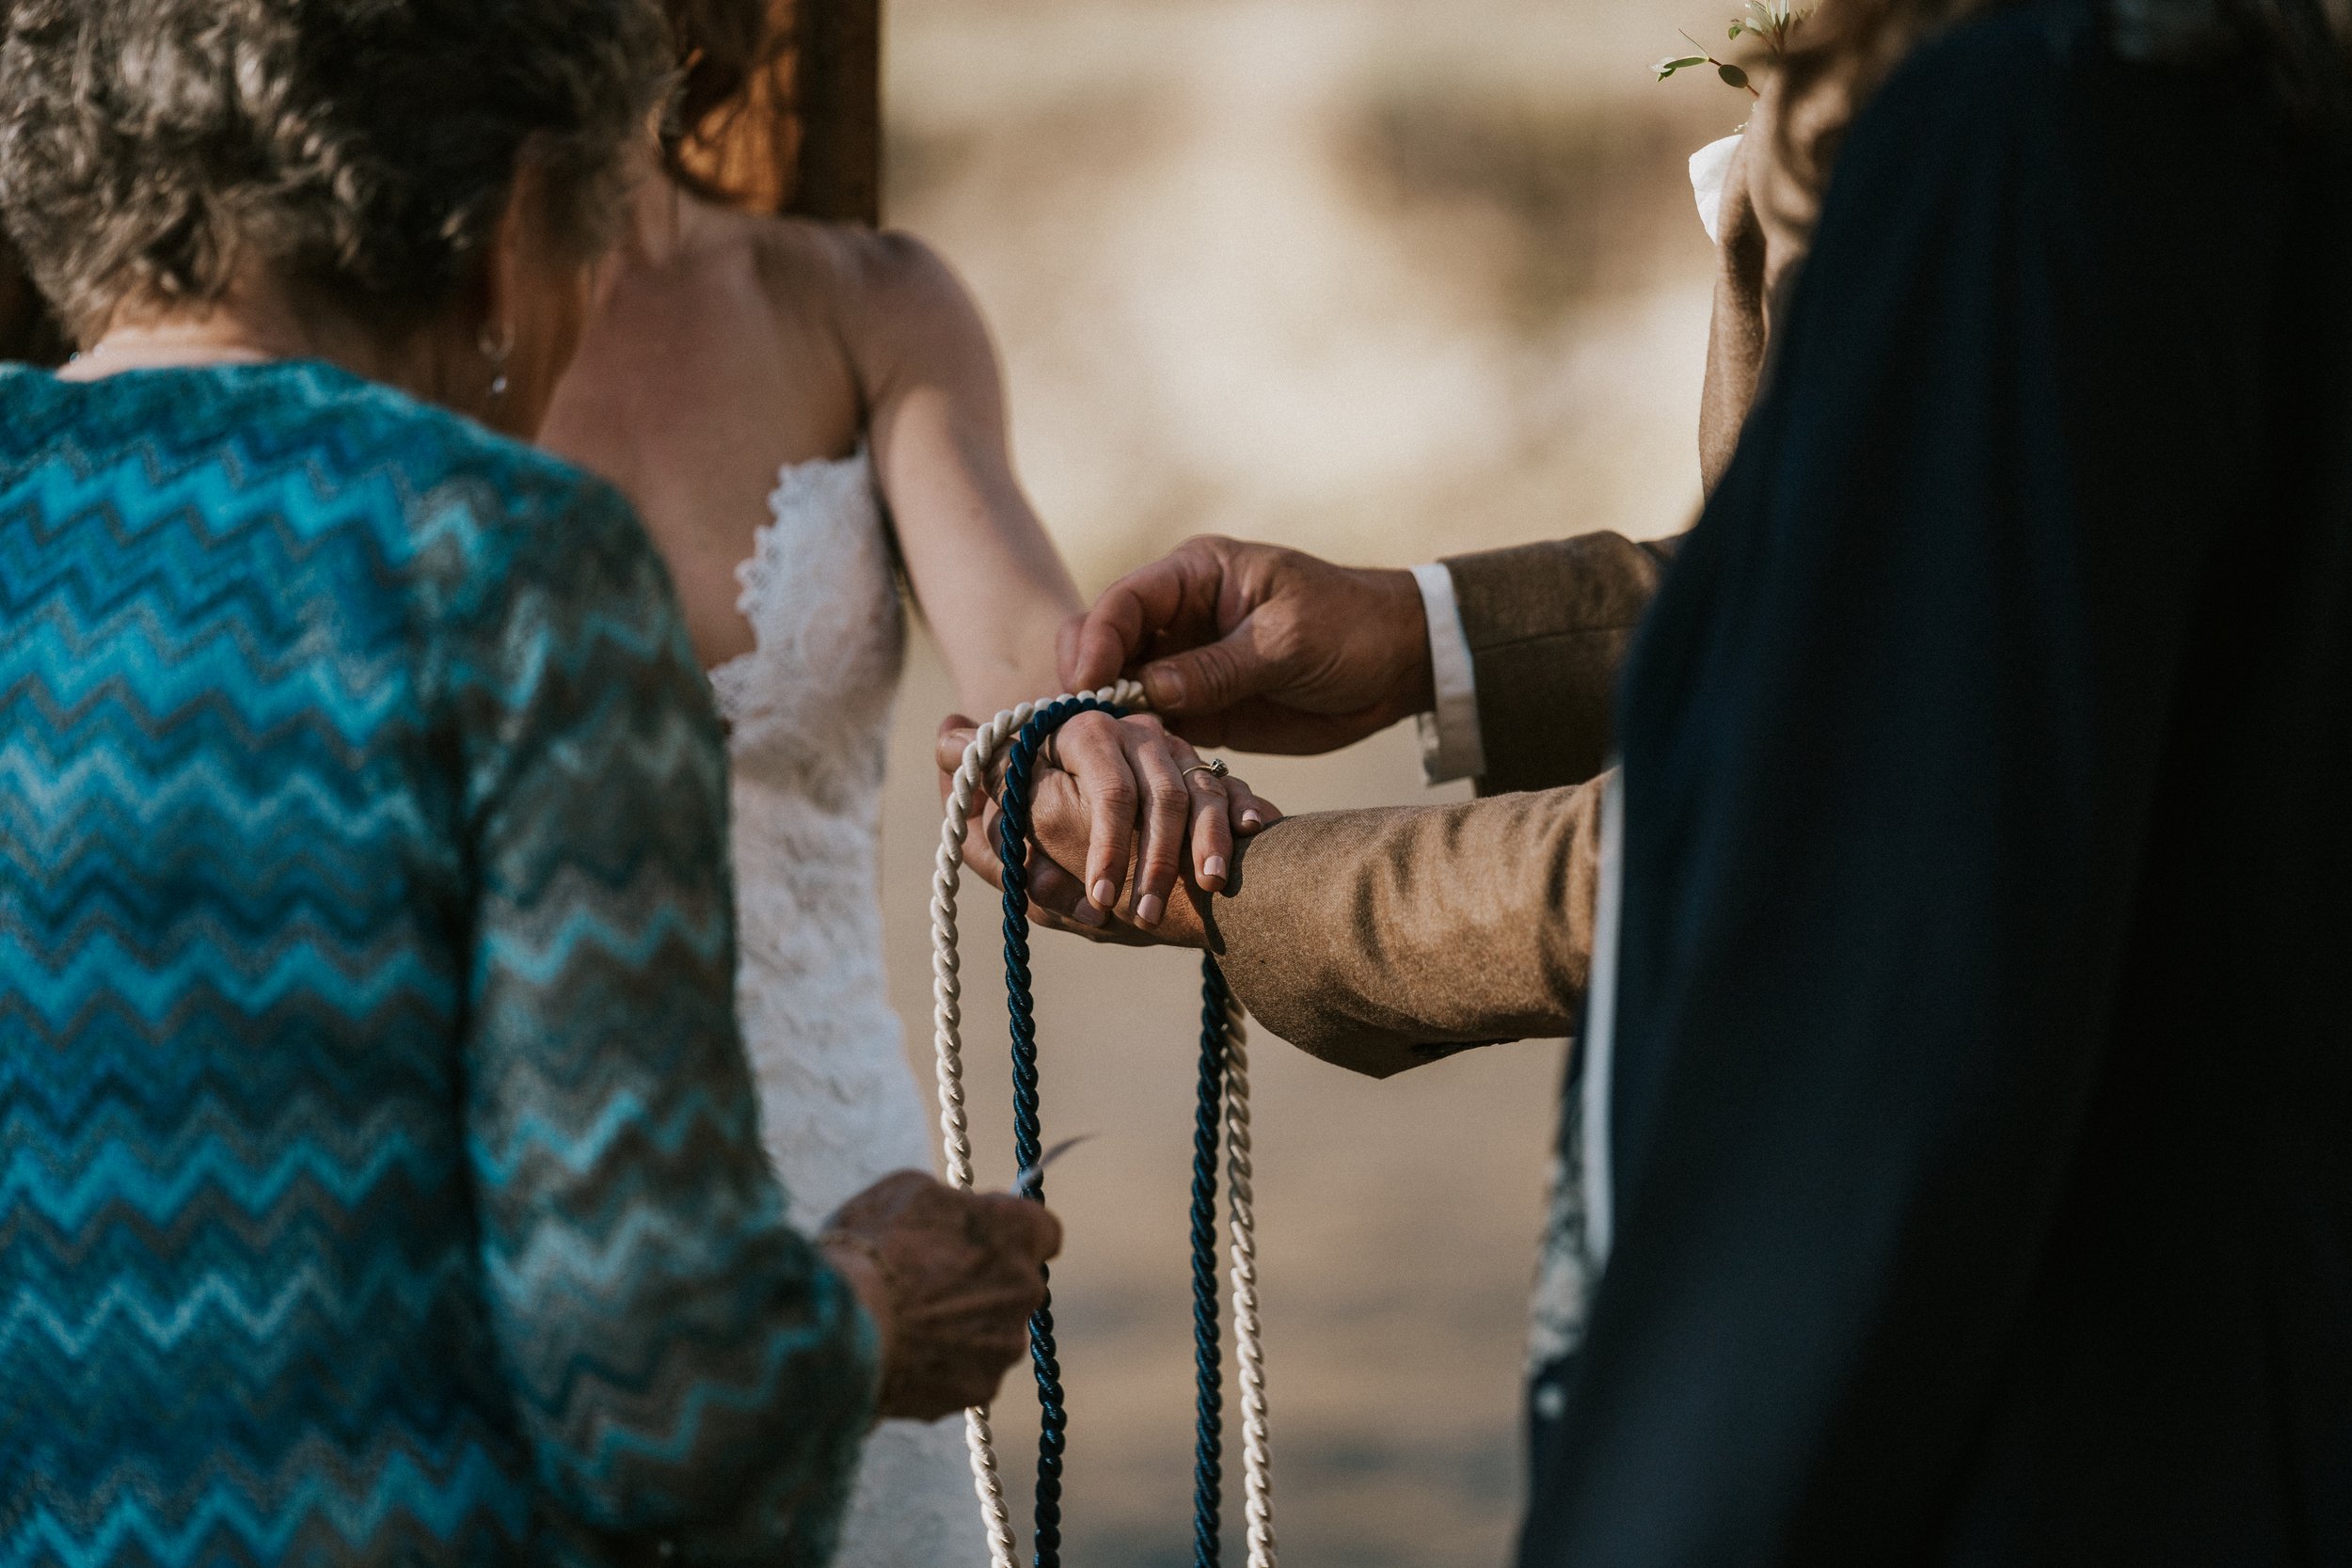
1212	869
1149	908
1252	821
1103	894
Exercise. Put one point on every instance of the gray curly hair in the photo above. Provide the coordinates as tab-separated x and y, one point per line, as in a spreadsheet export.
362	150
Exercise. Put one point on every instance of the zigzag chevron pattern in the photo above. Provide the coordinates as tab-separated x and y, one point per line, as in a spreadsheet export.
379	1179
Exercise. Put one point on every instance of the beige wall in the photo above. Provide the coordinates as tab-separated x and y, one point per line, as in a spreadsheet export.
1375	277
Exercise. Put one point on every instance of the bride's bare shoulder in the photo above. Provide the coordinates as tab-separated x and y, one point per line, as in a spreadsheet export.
885	292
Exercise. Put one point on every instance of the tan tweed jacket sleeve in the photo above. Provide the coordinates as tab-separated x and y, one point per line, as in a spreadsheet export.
1381	940
1547	626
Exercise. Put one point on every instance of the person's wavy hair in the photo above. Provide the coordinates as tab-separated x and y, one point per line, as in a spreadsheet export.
1848	47
361	149
729	132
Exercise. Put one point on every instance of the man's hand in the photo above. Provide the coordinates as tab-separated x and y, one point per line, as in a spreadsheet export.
950	1279
1258	647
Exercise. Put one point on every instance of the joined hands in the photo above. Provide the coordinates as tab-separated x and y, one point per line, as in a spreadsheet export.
1150	828
1236	644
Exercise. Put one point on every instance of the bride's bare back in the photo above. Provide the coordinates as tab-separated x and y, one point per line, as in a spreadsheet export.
730	345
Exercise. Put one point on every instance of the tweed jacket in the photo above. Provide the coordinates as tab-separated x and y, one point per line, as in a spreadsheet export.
1380	940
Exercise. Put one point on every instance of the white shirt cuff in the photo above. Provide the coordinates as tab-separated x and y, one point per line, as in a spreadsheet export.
1450	746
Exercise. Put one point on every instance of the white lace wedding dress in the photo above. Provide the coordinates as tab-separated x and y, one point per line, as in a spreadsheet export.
809	716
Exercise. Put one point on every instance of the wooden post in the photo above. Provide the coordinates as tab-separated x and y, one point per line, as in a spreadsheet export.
837	101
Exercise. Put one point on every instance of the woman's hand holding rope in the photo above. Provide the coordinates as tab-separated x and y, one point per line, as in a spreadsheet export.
1148	825
949	1278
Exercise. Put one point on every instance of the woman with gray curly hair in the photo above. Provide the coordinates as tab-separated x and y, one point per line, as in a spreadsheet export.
380	1176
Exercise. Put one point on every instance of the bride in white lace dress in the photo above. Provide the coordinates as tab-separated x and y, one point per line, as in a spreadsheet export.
804	415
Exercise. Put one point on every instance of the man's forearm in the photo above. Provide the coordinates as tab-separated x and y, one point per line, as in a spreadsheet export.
1381	940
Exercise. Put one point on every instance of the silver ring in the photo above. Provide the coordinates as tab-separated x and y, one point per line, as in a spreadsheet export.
1215	767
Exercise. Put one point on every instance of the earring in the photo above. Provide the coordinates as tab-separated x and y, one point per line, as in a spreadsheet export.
495	350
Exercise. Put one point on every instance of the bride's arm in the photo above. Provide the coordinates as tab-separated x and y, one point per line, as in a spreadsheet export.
989	580
985	575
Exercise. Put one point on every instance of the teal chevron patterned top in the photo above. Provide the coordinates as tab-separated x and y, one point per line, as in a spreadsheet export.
379	1170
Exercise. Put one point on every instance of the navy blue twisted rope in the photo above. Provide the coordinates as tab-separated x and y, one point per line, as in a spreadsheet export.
1208	1456
1013	850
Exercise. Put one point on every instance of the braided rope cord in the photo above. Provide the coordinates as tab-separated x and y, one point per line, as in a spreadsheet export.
1224	1092
1208	1445
1028	1142
1257	1458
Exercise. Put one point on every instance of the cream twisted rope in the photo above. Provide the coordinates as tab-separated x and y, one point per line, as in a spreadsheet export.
964	792
1257	1460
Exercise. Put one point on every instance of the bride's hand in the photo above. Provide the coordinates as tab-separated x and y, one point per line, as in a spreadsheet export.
1151	806
1150	799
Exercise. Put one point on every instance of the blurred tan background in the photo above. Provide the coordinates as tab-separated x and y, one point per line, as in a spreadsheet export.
1385	279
